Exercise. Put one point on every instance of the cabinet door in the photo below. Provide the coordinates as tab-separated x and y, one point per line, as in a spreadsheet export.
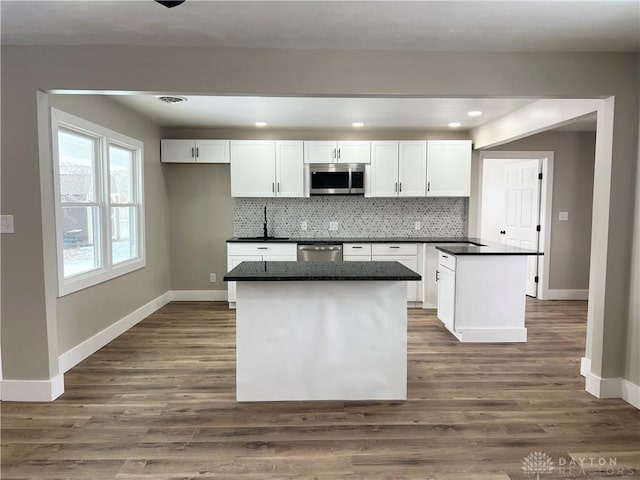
253	168
448	168
212	151
280	258
289	169
412	169
446	296
409	261
383	173
234	261
320	152
354	152
177	151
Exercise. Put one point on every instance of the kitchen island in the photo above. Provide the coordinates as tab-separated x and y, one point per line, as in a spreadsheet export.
321	330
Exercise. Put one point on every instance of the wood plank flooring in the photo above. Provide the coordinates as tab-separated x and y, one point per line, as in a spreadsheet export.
158	403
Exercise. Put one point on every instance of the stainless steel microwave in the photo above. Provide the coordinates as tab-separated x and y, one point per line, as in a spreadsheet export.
336	179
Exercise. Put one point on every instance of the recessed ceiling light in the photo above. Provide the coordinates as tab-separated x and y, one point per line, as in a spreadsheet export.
455	124
171	99
357	124
260	124
474	113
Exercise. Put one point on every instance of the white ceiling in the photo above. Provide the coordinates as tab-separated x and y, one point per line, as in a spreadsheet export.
516	25
320	112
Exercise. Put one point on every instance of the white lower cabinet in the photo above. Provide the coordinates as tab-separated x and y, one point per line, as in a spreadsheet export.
409	255
356	252
446	285
257	252
481	298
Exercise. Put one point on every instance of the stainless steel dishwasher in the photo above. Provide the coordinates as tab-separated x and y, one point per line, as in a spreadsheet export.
320	252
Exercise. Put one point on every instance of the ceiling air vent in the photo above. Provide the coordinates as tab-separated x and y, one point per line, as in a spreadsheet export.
171	99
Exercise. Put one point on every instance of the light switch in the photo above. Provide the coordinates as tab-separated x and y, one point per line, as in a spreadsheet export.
563	216
303	226
333	226
417	226
6	224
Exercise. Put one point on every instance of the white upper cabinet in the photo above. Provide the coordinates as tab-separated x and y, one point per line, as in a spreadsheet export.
289	169
412	169
448	168
266	168
337	152
253	168
398	169
194	151
383	173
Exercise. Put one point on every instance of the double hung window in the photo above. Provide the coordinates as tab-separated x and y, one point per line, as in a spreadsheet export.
98	187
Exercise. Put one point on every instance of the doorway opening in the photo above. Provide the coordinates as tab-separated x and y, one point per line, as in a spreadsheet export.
515	207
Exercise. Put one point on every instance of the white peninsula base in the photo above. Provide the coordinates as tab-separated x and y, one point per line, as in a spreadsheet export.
482	298
321	340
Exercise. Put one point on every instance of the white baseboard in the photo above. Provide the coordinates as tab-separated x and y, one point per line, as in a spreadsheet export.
557	294
198	295
32	390
614	387
491	335
91	345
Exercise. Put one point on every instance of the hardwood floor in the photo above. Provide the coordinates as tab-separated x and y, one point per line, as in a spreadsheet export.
159	403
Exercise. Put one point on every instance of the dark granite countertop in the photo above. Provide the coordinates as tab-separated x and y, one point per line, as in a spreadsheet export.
308	240
468	245
320	271
486	248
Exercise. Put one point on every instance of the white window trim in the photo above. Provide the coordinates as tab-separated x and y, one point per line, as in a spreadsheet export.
108	270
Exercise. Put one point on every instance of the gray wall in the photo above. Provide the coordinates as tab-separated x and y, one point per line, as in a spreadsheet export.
574	158
25	317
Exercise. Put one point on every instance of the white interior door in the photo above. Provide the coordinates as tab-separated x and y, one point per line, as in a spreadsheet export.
522	212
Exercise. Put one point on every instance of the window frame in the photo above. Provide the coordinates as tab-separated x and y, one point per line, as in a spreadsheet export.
105	138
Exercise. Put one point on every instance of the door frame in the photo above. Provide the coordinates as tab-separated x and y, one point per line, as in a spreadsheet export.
546	192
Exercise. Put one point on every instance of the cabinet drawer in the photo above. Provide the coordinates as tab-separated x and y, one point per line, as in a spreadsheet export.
394	249
447	260
265	248
356	249
356	258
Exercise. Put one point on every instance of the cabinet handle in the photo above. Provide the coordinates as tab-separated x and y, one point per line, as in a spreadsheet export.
503	232
334	153
197	152
444	256
394	246
428	186
396	187
356	247
278	187
400	186
263	248
339	154
273	187
193	152
437	275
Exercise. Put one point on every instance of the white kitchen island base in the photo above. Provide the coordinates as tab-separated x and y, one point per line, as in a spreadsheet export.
321	340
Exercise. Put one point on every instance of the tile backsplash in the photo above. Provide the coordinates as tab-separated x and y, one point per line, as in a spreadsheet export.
356	216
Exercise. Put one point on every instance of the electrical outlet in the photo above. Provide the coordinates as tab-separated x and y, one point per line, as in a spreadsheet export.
333	226
563	216
303	226
212	277
6	224
417	226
